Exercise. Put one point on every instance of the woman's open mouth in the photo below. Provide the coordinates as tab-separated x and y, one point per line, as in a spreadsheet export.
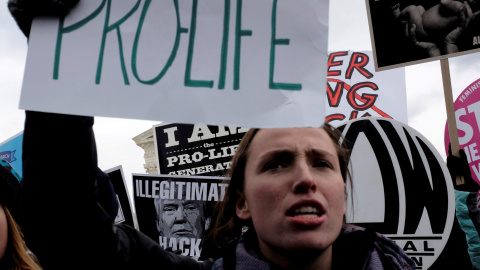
307	212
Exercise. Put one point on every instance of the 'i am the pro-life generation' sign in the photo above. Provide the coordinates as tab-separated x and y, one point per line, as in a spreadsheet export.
246	63
199	149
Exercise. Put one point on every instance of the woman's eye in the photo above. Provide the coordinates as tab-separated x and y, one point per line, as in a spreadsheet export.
274	165
322	164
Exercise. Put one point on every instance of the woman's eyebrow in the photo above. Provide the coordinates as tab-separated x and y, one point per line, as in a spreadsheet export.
286	153
321	153
280	153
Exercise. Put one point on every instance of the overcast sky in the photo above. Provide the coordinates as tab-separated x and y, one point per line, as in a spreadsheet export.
349	30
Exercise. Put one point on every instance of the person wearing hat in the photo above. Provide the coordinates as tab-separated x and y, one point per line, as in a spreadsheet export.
14	253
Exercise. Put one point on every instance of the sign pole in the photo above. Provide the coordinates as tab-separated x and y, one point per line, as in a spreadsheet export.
452	124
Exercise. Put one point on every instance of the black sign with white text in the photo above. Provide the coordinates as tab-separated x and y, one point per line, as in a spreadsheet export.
185	149
175	211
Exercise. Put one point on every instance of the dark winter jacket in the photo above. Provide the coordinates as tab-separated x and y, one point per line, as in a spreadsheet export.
66	226
355	248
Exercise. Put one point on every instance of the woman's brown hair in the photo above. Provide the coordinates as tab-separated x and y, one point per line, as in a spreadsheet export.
228	227
17	256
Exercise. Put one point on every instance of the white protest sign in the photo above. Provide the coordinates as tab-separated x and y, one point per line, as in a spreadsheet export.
401	187
355	89
247	63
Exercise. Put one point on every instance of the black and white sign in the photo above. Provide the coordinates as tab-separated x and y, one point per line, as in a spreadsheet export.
175	211
185	149
401	187
411	32
124	205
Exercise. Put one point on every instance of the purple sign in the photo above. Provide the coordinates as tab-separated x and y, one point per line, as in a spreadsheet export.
467	106
8	156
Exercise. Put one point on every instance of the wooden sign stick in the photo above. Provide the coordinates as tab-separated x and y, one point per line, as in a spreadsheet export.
452	124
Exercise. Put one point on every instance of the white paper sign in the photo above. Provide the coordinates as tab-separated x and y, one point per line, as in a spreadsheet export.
247	63
355	89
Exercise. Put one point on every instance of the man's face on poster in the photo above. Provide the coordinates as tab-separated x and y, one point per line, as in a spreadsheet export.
180	218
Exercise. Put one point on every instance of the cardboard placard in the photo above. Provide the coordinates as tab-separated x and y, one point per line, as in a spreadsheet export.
253	64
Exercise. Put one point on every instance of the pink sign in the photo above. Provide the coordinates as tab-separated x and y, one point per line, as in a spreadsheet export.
467	106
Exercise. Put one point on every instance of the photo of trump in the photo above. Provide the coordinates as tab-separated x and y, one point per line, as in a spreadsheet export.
181	218
181	221
175	211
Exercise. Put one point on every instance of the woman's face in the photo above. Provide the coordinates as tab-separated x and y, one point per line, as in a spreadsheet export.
294	191
3	232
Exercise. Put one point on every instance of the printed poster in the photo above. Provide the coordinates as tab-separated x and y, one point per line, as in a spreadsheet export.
175	211
11	151
395	43
184	149
124	205
246	63
355	89
467	105
401	187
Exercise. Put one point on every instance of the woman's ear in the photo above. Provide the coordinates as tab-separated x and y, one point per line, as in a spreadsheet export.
241	208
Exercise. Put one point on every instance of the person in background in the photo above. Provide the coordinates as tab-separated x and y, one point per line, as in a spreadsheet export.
285	207
66	225
458	166
462	248
14	253
68	206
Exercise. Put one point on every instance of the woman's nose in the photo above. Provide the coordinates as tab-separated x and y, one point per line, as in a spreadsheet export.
304	181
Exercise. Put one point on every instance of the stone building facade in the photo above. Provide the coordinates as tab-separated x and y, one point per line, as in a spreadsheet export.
146	141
